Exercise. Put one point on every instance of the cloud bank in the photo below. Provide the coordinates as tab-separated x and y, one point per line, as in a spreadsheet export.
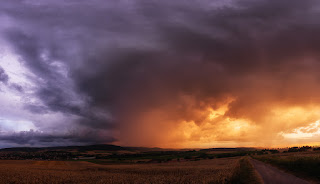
171	74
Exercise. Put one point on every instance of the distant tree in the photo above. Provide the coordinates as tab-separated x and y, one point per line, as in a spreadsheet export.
293	149
316	149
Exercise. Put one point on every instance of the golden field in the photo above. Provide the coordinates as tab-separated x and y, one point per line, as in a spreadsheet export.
193	172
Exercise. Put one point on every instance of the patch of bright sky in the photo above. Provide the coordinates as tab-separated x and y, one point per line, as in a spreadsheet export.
12	112
15	70
15	126
312	130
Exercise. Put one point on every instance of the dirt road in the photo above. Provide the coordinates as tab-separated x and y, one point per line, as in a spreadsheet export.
272	175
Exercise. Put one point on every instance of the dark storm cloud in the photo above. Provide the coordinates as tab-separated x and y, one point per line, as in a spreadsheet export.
35	138
113	62
37	109
54	89
3	76
16	87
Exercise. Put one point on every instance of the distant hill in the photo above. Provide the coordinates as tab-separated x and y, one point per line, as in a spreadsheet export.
109	147
229	149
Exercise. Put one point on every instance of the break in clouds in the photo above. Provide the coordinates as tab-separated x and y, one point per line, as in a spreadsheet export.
159	73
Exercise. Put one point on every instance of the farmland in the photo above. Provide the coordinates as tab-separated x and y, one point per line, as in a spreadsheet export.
107	154
223	170
114	164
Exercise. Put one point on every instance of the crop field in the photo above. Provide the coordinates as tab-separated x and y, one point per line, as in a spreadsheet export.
220	170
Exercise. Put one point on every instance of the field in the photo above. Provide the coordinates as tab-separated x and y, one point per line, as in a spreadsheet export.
122	165
222	170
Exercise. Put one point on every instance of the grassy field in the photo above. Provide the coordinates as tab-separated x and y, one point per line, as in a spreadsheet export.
223	170
304	164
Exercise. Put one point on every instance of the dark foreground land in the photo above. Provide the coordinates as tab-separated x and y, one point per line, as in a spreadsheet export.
304	165
271	175
114	164
68	172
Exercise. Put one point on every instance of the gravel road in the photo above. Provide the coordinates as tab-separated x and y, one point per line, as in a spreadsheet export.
272	175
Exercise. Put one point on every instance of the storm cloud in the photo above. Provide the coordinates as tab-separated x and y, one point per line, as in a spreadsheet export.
151	73
3	76
36	138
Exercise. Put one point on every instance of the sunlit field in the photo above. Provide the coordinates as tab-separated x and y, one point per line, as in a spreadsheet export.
221	170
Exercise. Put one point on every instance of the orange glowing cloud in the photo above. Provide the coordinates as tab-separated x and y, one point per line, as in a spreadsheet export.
210	127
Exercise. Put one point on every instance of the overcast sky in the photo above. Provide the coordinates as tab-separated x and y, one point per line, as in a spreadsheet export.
185	73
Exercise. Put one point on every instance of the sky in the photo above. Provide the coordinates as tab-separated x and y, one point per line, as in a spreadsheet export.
171	74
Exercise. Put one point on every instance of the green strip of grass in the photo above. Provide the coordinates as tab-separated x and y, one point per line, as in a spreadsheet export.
245	173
